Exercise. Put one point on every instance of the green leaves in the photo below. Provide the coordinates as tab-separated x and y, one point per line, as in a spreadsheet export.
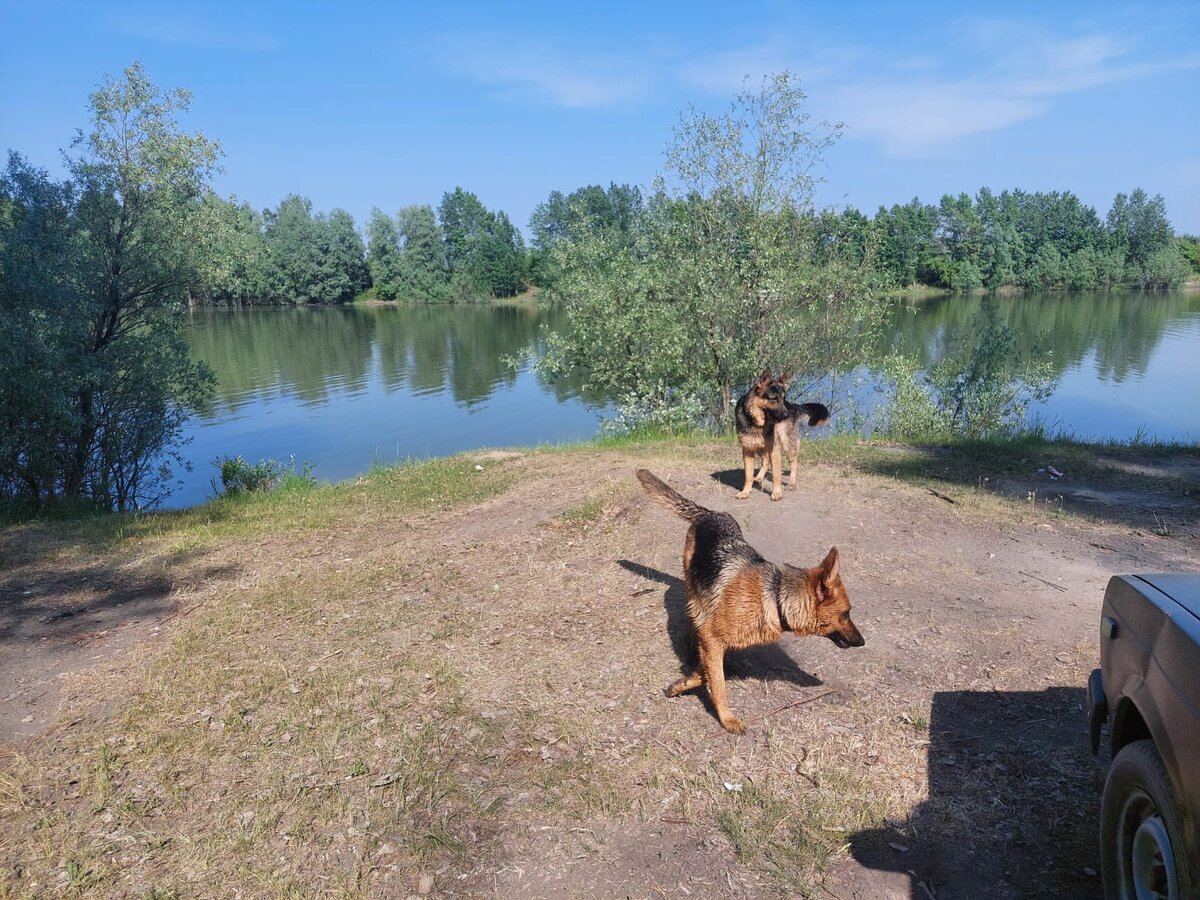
96	273
1041	241
730	273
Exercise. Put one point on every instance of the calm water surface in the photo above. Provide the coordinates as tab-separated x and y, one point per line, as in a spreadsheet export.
345	388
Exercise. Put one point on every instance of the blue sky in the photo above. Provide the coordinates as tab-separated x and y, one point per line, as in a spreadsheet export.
359	105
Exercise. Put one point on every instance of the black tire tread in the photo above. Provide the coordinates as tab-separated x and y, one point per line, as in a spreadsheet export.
1139	762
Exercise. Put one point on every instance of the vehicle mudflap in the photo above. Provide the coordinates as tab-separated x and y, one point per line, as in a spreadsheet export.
1097	708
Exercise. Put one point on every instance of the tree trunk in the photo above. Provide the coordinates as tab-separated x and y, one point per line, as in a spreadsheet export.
86	433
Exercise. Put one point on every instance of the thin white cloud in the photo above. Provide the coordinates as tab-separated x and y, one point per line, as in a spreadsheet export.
524	69
915	105
187	29
914	119
919	117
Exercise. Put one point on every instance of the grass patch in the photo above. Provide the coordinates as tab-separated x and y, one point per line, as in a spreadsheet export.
285	719
790	833
586	513
296	504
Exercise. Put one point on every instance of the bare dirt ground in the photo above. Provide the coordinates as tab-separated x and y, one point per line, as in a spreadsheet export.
468	701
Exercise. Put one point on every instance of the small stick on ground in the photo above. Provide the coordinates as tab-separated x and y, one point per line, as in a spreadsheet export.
1057	587
941	496
779	709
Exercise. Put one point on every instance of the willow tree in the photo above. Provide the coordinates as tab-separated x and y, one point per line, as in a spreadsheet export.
123	252
731	268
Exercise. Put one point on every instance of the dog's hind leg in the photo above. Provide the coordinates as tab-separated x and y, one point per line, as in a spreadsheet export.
793	451
712	660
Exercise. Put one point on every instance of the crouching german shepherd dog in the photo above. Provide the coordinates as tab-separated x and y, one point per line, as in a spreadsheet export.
737	599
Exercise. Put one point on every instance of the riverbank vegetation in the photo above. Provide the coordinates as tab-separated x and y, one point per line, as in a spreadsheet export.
672	298
721	274
465	252
95	379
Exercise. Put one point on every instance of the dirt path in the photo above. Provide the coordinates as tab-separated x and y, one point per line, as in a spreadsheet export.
946	758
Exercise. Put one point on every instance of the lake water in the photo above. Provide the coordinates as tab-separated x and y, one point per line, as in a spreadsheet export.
345	388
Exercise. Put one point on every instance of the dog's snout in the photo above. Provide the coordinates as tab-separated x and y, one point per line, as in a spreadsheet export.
848	637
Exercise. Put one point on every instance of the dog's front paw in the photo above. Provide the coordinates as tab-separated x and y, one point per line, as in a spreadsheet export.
741	495
791	486
734	725
777	494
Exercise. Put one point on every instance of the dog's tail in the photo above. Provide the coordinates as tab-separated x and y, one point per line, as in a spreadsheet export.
662	491
810	414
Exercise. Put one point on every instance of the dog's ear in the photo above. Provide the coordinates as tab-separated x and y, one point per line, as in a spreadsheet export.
830	565
765	377
785	377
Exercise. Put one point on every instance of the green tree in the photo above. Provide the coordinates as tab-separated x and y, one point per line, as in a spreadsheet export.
117	249
1138	227
725	274
290	235
1189	248
40	330
981	388
587	211
341	265
422	275
463	218
233	252
499	257
984	386
906	241
485	255
383	254
312	259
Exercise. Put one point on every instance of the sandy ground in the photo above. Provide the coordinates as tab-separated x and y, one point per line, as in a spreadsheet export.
947	758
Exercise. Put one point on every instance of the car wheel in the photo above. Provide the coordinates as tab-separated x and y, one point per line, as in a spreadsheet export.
1141	851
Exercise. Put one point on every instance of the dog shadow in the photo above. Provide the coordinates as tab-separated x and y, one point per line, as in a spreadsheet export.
735	478
769	661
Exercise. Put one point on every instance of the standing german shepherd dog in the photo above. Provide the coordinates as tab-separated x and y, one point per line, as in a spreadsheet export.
737	599
754	417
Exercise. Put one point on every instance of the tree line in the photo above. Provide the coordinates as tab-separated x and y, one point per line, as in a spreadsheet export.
1044	241
462	252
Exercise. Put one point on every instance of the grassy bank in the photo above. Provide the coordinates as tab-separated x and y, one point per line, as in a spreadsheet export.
451	671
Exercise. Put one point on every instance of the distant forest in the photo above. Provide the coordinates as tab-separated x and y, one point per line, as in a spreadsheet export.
463	252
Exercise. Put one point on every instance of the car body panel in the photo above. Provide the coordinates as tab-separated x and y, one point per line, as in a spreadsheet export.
1150	680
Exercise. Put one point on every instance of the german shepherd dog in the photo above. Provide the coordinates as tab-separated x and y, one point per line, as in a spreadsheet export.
787	436
754	418
737	599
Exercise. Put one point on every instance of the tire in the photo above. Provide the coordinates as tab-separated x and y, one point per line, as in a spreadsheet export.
1141	847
